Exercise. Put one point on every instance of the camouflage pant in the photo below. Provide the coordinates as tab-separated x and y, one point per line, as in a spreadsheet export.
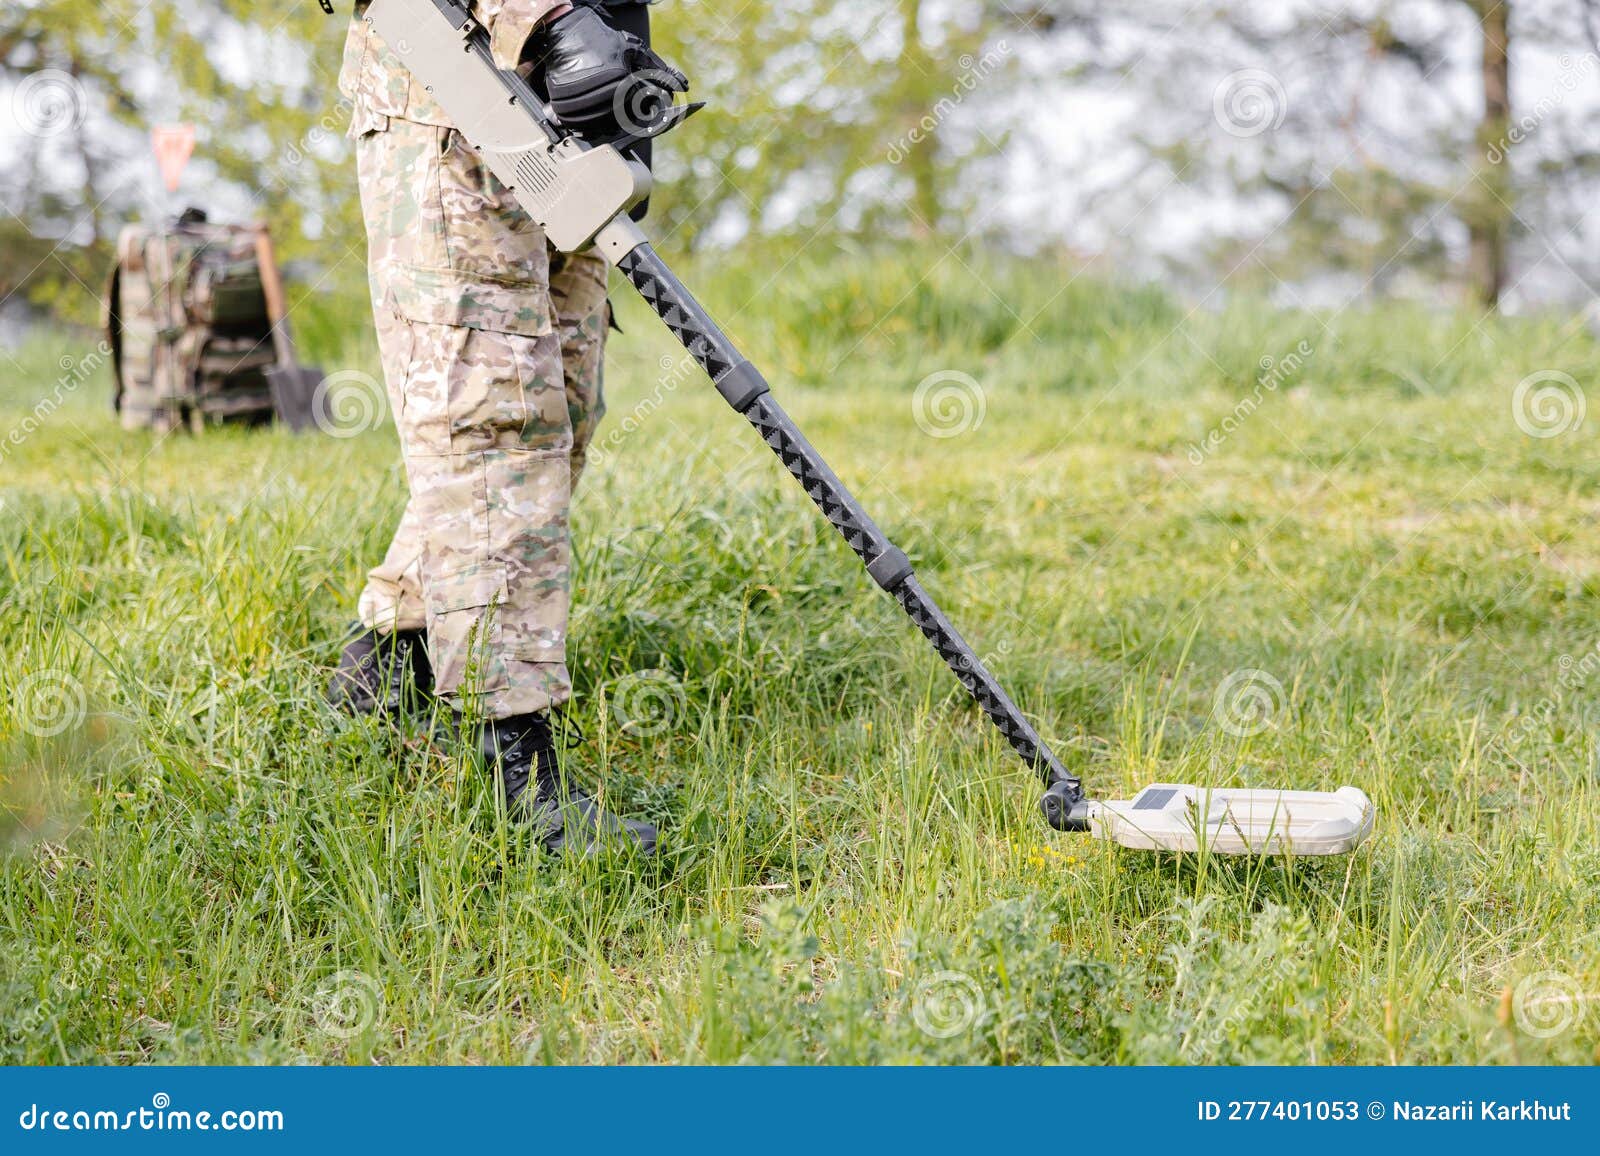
492	346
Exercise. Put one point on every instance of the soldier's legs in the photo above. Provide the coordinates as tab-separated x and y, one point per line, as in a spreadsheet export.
473	349
392	599
474	366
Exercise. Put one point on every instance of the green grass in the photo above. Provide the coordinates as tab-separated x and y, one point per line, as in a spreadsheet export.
205	866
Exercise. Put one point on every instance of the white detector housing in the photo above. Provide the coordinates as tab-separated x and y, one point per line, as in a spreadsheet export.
1230	821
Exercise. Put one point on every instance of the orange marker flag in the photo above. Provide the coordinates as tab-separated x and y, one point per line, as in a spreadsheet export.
174	145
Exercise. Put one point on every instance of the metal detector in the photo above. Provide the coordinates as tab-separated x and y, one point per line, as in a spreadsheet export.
581	194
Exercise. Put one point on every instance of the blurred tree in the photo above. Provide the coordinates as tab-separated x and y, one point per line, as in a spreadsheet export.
88	81
1388	131
858	115
1488	210
1364	143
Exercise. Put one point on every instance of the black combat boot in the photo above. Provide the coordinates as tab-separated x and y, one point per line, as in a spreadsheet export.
535	792
384	674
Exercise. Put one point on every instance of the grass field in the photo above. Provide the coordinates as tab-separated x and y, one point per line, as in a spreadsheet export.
1348	564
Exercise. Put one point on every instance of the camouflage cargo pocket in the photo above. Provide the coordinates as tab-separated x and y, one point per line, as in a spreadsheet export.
377	85
467	390
463	631
447	242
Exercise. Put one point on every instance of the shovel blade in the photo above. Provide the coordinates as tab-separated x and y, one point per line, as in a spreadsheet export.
294	395
1233	821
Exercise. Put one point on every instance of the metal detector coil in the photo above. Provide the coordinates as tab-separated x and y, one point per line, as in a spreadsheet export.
1233	821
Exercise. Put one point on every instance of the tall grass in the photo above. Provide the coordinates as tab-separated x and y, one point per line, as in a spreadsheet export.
205	865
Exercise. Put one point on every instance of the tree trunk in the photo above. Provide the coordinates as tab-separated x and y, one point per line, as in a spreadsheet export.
86	157
921	157
1490	213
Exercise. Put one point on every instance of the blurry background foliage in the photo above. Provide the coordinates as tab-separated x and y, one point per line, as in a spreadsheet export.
1318	150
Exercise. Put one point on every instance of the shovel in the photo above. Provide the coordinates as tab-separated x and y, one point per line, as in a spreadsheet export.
293	386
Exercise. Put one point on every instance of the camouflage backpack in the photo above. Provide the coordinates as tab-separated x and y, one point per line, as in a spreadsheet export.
187	320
